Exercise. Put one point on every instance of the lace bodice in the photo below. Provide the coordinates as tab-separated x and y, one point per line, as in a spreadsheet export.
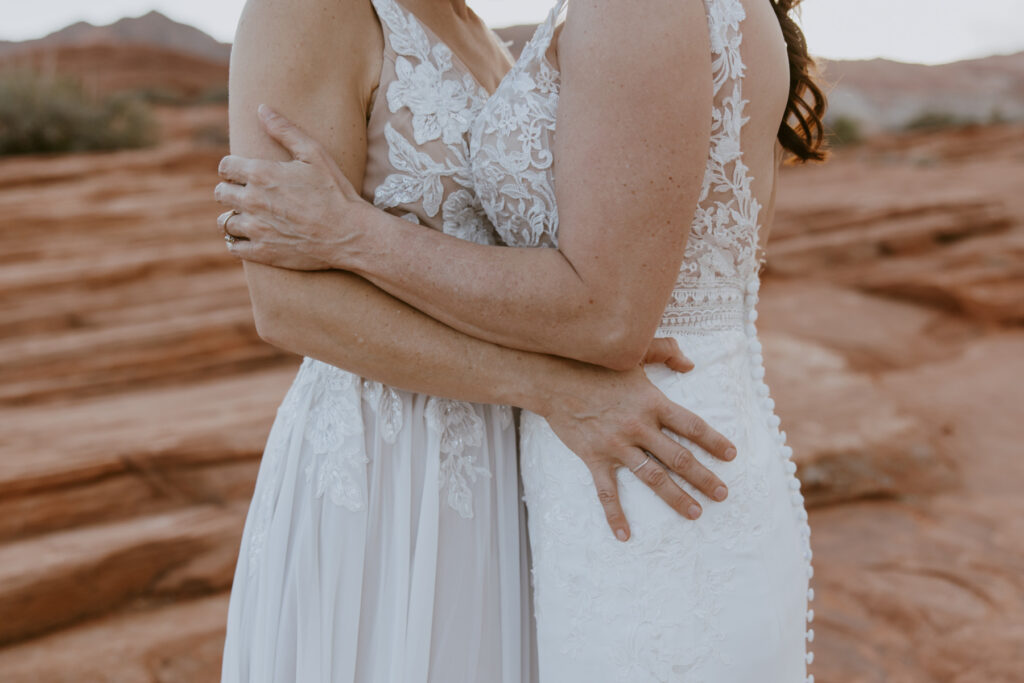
511	161
421	115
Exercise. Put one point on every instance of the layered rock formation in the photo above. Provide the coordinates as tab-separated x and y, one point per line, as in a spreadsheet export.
135	398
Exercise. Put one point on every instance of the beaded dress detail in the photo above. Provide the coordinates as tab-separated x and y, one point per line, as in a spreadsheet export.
384	542
724	598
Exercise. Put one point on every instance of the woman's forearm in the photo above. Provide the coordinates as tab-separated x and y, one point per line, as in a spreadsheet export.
529	299
341	319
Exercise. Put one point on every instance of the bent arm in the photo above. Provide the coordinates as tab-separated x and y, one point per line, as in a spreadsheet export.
630	154
336	317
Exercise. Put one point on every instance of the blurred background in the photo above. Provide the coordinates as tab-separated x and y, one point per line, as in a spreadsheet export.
135	395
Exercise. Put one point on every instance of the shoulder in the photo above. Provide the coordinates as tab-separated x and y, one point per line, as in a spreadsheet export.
314	41
660	48
613	25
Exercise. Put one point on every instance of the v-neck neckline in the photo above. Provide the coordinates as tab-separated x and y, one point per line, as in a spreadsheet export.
431	34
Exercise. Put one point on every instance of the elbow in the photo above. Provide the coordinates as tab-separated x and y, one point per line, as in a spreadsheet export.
622	346
270	324
269	306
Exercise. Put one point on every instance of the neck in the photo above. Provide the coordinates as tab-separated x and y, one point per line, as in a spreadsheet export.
459	7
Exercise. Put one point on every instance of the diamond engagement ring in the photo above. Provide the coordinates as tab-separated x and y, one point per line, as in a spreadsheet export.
636	469
228	237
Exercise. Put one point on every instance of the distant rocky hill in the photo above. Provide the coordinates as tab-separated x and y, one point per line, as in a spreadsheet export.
105	68
879	94
152	29
883	94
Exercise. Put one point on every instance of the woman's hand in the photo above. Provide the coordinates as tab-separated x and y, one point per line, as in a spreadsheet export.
301	214
615	419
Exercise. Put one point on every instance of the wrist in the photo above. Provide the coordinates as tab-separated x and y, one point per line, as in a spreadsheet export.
545	390
364	238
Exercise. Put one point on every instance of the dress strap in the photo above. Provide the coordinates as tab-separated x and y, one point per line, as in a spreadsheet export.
403	31
540	41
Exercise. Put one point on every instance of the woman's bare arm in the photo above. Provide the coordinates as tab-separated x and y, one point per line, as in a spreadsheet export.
310	58
630	154
341	319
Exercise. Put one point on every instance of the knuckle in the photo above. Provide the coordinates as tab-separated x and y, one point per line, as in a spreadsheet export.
607	496
680	501
657	476
632	426
682	461
256	200
697	427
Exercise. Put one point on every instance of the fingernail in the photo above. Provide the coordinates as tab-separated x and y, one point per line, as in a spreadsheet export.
721	493
621	535
730	453
694	511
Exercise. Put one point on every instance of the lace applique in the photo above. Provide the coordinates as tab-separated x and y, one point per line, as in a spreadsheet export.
459	428
464	217
334	430
419	179
443	104
387	404
511	147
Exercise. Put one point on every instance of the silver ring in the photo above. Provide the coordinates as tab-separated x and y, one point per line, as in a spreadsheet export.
636	469
229	238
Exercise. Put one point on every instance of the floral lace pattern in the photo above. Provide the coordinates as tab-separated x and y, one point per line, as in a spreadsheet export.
444	103
511	147
459	427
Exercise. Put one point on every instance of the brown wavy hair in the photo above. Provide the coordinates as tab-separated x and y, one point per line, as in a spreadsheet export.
802	131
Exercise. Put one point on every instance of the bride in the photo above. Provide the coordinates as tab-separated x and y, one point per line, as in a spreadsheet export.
654	201
384	541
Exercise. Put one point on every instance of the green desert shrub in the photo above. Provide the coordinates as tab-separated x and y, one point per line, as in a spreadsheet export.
844	130
57	115
936	120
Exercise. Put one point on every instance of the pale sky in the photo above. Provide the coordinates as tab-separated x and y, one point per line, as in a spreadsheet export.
930	31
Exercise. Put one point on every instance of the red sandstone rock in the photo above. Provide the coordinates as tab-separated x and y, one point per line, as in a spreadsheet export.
135	394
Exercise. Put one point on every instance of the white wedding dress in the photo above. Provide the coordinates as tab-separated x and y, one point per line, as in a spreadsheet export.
723	599
384	542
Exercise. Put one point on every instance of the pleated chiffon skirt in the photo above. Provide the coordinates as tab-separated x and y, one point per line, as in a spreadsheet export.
385	542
